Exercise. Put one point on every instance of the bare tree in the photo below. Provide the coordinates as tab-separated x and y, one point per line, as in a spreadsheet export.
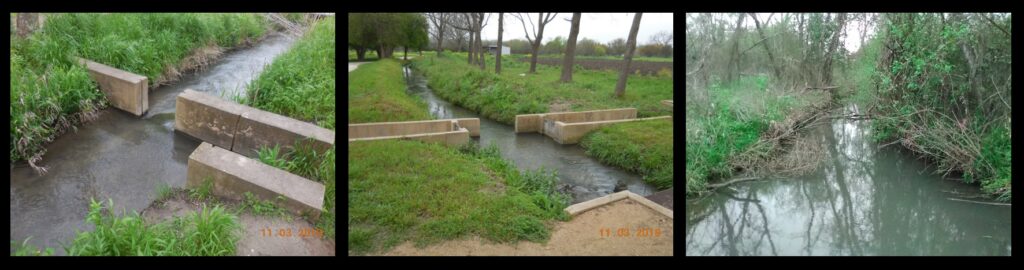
497	58
620	87
735	57
570	49
539	34
439	20
826	69
767	49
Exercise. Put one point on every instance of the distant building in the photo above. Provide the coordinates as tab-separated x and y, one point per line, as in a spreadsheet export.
491	49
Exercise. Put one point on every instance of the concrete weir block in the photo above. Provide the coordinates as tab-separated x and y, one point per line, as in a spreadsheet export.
124	90
232	174
451	132
258	128
578	208
208	118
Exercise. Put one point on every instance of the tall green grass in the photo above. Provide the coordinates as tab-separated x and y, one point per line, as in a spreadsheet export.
301	82
307	162
50	93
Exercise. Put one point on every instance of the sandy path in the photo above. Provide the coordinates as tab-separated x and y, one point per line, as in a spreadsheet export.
595	232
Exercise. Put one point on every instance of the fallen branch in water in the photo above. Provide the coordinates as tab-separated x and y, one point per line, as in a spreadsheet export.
853	116
988	203
733	181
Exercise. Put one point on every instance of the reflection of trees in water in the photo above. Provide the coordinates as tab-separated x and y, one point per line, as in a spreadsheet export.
862	202
729	232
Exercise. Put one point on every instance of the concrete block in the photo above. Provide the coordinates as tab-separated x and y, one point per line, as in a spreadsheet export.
529	123
208	118
449	138
124	90
385	129
257	128
578	208
232	175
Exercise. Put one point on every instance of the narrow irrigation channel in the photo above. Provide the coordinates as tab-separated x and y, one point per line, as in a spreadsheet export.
123	157
580	175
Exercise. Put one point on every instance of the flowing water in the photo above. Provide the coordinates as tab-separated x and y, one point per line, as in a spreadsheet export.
120	156
861	201
580	175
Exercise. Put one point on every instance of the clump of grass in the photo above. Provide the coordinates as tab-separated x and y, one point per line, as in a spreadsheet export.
300	82
209	232
203	192
644	147
262	207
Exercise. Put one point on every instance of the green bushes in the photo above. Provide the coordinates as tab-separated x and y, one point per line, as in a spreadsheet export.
945	97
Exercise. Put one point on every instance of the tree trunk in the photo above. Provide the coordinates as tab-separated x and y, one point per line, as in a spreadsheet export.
826	69
570	49
360	54
536	45
620	87
497	57
767	49
734	60
405	54
440	34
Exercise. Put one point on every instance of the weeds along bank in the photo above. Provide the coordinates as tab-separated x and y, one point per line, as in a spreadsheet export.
724	129
502	97
50	93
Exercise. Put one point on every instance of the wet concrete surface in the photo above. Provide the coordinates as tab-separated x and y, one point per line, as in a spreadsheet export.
580	175
120	156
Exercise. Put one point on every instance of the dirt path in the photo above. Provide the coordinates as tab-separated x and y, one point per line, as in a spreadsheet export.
260	234
595	232
353	65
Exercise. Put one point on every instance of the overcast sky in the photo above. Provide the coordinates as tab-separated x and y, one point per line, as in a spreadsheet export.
603	27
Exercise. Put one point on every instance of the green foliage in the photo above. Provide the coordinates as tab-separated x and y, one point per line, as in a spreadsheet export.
949	109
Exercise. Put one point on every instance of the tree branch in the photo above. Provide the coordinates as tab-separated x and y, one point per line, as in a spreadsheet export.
996	25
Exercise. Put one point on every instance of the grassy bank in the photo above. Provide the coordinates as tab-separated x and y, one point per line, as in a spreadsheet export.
301	82
51	94
376	93
644	147
407	190
721	128
502	97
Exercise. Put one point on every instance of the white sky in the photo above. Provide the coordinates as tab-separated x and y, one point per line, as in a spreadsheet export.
603	27
852	28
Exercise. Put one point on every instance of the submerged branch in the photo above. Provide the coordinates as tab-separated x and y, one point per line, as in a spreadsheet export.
988	203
